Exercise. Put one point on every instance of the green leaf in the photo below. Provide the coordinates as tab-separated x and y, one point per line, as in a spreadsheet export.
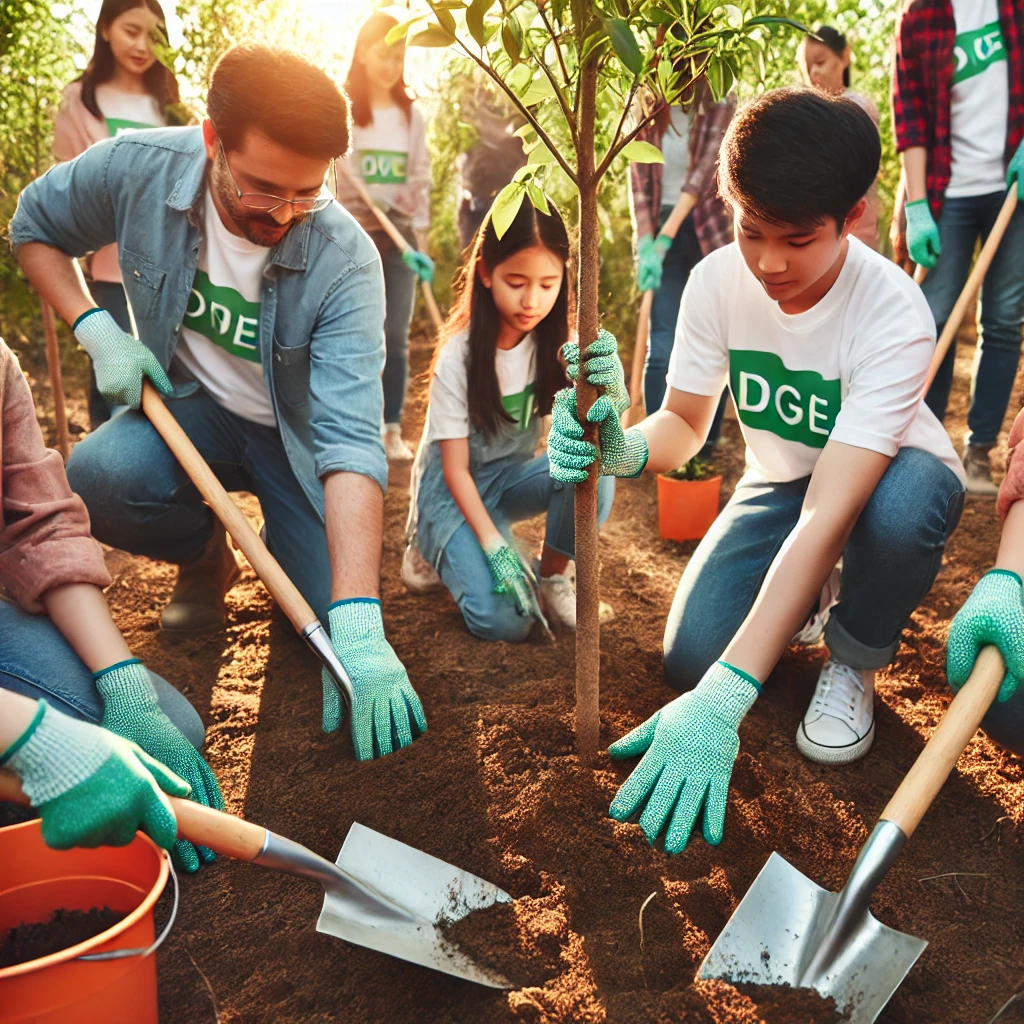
767	19
475	20
540	154
540	89
642	153
506	206
625	44
432	35
400	31
511	39
445	19
537	197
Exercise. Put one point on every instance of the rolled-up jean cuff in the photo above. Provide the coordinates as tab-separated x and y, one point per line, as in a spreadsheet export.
850	651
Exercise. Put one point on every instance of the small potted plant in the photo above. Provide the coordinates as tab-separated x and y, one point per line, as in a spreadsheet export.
688	500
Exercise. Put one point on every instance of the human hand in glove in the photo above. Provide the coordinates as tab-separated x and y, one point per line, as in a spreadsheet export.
1015	171
602	366
385	706
119	360
922	234
623	453
420	264
509	575
650	260
689	749
993	614
131	709
90	786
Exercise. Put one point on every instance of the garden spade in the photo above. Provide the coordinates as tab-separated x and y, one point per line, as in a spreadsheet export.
789	931
380	894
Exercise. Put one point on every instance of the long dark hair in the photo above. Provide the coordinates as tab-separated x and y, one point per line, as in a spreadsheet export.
475	310
836	42
159	80
357	88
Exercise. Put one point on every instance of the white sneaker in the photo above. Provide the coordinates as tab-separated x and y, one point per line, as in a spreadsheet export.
839	726
558	596
814	629
394	445
418	575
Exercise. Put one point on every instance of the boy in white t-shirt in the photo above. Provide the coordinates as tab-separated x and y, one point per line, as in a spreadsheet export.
825	345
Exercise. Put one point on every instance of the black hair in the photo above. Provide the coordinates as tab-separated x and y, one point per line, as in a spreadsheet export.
836	42
796	156
159	80
475	311
357	86
282	96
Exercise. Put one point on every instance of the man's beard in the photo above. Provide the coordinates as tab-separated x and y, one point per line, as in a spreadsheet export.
258	228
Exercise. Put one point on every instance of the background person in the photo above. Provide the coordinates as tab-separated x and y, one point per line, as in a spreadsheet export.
389	153
825	64
958	114
123	88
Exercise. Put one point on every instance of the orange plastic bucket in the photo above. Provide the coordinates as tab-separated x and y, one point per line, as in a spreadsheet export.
61	988
687	508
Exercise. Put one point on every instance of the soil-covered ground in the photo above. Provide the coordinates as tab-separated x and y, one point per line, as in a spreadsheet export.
494	787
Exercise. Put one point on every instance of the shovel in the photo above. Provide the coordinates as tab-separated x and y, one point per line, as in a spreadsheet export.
381	893
789	931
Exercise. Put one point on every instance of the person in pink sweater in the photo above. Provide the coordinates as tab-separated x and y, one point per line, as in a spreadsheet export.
58	643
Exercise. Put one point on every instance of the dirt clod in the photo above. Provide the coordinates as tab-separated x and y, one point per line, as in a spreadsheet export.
780	1004
65	928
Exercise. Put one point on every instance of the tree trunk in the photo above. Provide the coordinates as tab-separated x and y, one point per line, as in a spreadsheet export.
588	637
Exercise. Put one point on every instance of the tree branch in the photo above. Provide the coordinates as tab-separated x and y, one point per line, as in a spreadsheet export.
609	154
558	49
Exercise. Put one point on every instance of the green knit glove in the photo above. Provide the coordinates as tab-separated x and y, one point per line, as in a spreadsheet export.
131	709
384	698
420	264
623	453
1015	171
650	260
691	746
92	788
509	576
922	234
603	368
119	360
993	614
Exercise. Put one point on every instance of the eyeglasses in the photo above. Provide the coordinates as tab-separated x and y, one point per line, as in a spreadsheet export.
266	203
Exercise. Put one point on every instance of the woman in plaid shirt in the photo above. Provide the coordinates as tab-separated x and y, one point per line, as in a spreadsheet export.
958	112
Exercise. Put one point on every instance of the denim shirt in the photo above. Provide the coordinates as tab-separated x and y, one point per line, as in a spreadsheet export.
322	299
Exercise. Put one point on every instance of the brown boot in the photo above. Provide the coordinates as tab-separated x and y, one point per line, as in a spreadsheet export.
197	603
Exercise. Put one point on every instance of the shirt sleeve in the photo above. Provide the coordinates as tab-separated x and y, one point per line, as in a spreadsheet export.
448	411
909	91
699	363
705	164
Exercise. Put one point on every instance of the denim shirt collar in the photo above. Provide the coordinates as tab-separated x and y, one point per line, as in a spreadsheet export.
187	195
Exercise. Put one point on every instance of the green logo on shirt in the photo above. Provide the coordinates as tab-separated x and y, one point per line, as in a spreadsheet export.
520	407
975	52
382	167
223	316
118	126
796	405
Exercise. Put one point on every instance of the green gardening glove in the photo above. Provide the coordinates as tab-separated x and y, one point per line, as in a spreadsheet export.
922	234
384	698
650	258
1015	171
603	368
420	264
689	748
993	614
119	360
509	576
131	709
623	453
91	787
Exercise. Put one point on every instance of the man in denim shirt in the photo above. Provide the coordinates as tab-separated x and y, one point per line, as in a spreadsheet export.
259	307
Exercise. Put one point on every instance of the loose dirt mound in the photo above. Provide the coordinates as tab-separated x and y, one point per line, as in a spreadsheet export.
65	928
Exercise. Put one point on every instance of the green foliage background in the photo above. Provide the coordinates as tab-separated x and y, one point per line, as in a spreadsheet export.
40	42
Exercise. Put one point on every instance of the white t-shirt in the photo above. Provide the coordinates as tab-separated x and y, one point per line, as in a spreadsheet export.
675	148
851	368
128	111
381	150
220	341
448	411
980	100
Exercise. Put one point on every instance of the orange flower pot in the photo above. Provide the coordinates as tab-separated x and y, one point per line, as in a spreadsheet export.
60	988
687	508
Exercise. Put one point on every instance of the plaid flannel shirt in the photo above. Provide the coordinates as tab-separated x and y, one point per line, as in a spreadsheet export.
712	220
923	81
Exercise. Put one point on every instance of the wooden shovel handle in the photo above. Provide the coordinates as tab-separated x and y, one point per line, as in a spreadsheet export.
940	755
223	833
274	578
60	411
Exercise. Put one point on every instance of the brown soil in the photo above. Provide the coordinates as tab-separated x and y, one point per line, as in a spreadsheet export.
494	787
65	928
779	1004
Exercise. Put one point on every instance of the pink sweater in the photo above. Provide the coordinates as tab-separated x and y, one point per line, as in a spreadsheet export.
44	527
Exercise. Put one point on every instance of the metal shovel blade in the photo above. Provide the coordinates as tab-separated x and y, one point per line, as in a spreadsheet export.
435	892
778	927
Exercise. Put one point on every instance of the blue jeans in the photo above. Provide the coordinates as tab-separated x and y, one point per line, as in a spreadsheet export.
889	564
36	661
140	500
961	223
111	296
400	295
463	565
1004	723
